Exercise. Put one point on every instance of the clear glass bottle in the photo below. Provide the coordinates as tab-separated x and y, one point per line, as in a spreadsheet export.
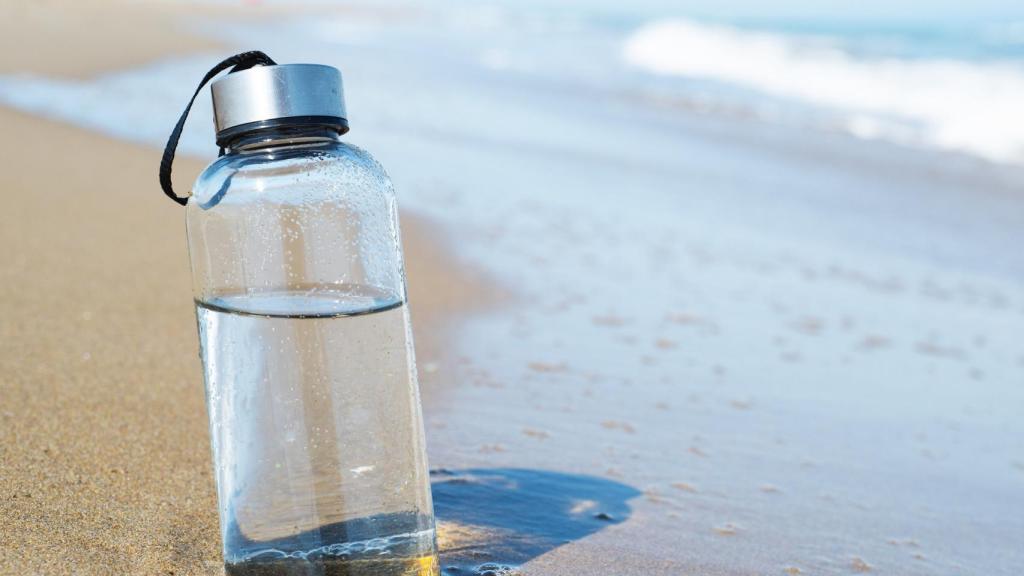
305	341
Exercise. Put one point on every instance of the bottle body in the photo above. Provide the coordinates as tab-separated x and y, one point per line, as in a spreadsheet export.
307	353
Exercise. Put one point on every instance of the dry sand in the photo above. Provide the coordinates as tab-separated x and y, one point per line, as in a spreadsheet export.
79	38
104	459
106	465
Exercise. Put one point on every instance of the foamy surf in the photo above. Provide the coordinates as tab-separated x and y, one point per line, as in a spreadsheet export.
958	105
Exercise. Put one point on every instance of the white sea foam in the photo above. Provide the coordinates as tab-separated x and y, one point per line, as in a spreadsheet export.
952	104
138	105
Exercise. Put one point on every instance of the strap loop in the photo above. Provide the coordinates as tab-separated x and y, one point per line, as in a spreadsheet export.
242	61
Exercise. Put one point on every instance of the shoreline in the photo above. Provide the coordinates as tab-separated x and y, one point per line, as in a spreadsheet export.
710	347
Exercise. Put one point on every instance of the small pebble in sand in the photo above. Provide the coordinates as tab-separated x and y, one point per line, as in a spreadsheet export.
616	425
809	325
698	452
547	367
684	319
792	570
741	404
652	495
874	342
534	433
665	343
859	565
770	489
685	487
909	542
727	529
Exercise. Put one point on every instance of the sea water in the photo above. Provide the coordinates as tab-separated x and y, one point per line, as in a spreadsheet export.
316	433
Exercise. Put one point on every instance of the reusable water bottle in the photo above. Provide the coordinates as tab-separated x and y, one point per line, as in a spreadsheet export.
304	334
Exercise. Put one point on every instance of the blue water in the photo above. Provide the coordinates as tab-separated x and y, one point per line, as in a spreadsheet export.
928	76
978	30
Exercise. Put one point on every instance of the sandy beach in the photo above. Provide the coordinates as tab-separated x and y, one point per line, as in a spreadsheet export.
104	439
650	341
104	436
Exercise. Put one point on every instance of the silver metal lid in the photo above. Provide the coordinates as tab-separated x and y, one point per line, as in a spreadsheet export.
268	93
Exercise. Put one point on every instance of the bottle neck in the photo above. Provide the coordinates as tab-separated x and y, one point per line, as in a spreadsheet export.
281	136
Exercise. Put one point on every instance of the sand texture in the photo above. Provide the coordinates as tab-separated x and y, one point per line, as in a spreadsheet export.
106	464
77	39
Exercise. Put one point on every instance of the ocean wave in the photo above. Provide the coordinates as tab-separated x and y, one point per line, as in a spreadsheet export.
968	106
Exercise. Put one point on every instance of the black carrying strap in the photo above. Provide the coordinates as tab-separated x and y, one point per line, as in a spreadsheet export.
242	61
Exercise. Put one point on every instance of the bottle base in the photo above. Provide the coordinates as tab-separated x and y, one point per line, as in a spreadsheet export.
412	566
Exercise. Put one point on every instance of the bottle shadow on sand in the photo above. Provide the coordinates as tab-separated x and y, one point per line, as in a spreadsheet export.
492	520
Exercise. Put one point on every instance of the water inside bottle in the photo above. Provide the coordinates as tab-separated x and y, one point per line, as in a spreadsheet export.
316	432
